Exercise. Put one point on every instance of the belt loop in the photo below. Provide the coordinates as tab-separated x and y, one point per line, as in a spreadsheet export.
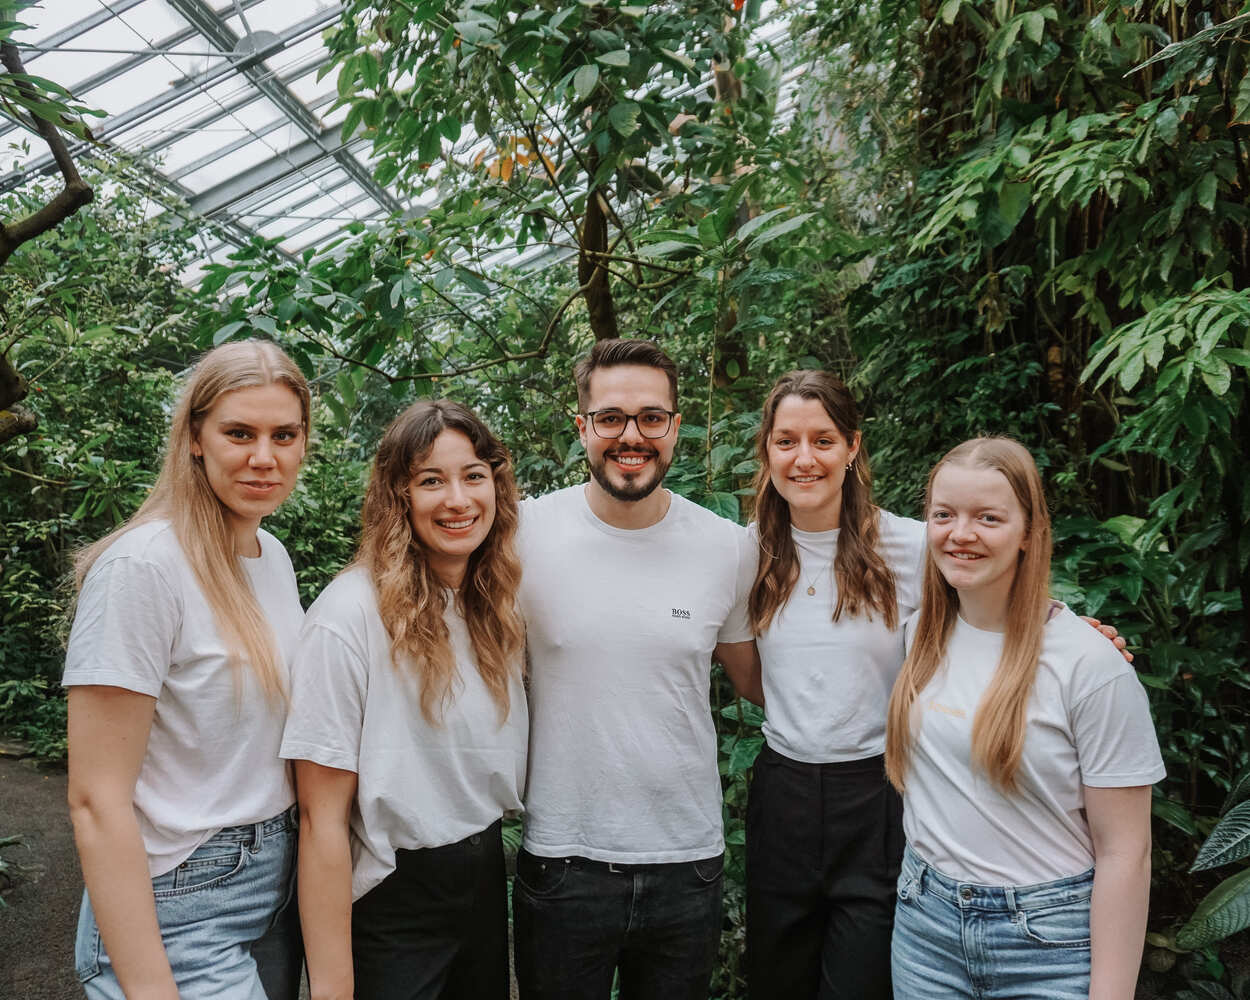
1011	898
258	836
920	878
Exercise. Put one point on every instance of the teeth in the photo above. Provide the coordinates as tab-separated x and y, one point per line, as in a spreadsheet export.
965	555
805	479
456	524
630	460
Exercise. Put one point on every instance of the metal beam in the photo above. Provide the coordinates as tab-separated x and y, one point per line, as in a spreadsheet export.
154	106
216	31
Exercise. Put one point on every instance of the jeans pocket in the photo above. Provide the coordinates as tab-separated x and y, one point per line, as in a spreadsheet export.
86	944
1062	926
907	885
540	876
708	870
208	868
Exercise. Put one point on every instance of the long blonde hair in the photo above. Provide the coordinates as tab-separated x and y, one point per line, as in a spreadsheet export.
998	727
183	497
411	597
865	581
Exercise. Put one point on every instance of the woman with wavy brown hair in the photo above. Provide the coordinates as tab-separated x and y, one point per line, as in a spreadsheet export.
408	724
836	578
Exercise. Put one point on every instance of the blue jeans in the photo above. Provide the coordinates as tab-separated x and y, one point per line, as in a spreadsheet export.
577	920
228	919
962	940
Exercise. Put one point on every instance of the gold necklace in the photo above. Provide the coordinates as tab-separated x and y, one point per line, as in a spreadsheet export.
811	584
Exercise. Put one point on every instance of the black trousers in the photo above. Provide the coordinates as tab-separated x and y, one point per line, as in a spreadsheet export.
577	921
824	846
436	928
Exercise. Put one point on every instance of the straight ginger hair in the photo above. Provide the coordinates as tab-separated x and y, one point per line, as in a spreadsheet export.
865	581
411	597
999	724
183	497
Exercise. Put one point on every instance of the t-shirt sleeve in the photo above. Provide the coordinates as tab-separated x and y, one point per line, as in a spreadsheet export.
737	626
908	551
329	680
1115	736
125	627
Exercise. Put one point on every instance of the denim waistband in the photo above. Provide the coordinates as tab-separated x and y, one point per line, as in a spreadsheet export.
255	833
920	876
579	863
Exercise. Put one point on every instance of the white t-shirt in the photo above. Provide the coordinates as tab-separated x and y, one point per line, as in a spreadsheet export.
418	785
1088	723
827	683
143	624
621	628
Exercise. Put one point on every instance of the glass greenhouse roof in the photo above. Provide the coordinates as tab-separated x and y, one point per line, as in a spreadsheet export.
223	98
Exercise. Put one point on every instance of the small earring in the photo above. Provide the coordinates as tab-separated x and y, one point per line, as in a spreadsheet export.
851	466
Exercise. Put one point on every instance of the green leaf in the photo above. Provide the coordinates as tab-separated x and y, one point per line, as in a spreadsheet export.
1034	26
226	332
724	504
623	117
1013	202
948	10
346	387
1217	375
471	281
1172	813
732	369
1206	191
743	753
584	80
1239	793
617	58
770	233
1228	842
1225	911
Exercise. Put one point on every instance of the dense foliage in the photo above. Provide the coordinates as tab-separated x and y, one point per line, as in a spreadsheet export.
1011	216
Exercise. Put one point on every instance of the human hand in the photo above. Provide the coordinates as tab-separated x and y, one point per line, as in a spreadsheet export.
1110	632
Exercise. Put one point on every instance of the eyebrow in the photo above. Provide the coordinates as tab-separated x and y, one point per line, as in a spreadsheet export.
479	464
231	422
831	429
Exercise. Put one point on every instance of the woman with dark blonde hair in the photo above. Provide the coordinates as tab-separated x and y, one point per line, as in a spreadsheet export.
1024	750
186	619
408	725
837	575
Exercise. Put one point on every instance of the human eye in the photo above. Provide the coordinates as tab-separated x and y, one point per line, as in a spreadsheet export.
476	476
783	441
238	434
286	437
428	481
990	518
939	514
653	418
609	418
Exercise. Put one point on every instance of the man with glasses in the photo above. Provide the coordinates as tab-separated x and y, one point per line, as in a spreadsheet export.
628	591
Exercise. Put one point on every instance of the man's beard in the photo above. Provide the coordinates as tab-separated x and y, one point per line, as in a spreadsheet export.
633	491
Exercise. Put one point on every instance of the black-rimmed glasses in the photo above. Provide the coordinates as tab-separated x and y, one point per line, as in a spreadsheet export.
651	423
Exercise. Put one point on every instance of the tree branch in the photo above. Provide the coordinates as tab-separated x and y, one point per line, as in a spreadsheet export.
76	193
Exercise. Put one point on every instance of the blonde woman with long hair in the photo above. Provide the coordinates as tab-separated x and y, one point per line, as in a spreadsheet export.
1024	750
409	728
176	669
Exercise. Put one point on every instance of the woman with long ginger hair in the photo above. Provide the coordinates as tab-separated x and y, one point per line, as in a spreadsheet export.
1025	752
837	576
408	725
186	619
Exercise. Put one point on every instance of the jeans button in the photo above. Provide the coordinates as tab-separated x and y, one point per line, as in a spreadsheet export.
965	894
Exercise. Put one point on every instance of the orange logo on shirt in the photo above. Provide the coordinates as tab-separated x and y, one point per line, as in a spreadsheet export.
934	706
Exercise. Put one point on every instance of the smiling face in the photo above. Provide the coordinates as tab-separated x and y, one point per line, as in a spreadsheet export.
630	467
807	460
251	442
451	504
977	530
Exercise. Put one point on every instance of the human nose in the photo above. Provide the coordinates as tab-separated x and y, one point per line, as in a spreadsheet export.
963	529
632	421
262	453
803	454
456	498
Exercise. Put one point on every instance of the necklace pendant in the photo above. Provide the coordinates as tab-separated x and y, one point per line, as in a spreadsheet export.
811	591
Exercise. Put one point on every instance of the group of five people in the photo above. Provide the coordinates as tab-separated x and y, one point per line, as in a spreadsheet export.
483	654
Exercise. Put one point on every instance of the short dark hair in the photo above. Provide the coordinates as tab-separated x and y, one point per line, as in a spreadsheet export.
610	353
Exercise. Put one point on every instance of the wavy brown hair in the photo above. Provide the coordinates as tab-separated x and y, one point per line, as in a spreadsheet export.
998	727
183	496
865	581
411	597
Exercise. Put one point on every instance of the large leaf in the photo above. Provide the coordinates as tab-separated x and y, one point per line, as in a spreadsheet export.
1240	792
1225	911
1229	841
